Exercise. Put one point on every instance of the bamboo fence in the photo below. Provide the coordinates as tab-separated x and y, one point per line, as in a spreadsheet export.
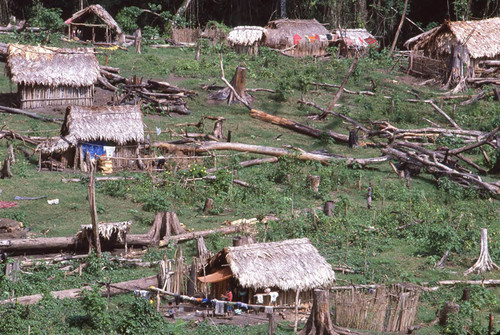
382	309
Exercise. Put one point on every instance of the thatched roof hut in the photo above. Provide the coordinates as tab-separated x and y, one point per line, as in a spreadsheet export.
52	76
354	42
119	127
118	124
95	24
298	37
285	266
246	39
454	44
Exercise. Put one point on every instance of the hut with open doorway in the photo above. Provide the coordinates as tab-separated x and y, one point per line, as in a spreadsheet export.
246	39
47	76
457	52
268	272
298	38
111	132
95	24
354	42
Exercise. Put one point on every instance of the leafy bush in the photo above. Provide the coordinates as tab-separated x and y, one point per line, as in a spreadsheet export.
45	18
127	18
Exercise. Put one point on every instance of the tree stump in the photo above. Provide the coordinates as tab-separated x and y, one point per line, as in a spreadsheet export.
238	83
328	208
202	251
6	172
218	131
449	308
209	204
319	322
243	240
314	182
484	262
353	138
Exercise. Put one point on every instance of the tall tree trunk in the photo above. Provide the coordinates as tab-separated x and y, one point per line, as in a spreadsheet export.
399	27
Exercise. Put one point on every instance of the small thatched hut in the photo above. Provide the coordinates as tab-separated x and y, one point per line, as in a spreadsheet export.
297	38
246	39
47	76
354	42
95	24
284	267
113	131
455	50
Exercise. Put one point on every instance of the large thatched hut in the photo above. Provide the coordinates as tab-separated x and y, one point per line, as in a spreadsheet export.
111	131
455	51
246	39
283	267
297	38
95	24
47	76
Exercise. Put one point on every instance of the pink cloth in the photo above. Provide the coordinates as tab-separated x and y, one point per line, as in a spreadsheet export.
296	39
7	204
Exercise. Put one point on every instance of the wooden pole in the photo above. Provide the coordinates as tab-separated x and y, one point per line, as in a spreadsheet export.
93	210
296	311
399	28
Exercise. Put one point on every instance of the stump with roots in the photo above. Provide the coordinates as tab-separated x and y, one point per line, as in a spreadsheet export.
238	83
484	262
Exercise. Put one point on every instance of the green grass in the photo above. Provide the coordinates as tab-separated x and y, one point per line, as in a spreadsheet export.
448	217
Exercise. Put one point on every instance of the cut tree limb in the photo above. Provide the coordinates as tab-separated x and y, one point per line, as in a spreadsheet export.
341	89
30	114
118	288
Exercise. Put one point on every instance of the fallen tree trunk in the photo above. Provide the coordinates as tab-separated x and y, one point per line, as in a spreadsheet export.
298	127
30	114
118	288
263	150
41	243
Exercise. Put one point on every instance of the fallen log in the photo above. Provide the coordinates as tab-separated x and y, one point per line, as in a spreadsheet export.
117	288
30	114
263	150
298	127
202	233
344	89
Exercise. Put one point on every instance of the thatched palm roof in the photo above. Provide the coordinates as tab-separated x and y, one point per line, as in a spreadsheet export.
287	265
280	33
36	65
481	37
100	12
246	35
120	124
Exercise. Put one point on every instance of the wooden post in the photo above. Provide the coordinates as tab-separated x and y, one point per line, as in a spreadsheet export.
198	50
353	138
93	211
369	196
296	310
138	39
272	324
319	321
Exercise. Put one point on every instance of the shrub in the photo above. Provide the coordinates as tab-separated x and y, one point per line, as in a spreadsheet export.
45	18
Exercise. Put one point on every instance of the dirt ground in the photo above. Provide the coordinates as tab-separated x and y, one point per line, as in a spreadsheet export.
189	312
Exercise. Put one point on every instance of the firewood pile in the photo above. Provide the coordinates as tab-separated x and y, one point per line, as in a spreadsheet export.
164	97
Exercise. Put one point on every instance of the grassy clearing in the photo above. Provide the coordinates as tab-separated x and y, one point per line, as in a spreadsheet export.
447	216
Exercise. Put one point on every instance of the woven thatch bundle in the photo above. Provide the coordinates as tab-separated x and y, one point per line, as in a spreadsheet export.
98	11
280	33
287	265
481	38
246	35
33	65
57	145
119	124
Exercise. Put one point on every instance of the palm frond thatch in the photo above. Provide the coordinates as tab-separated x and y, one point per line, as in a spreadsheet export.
36	65
120	124
287	265
100	12
246	35
481	37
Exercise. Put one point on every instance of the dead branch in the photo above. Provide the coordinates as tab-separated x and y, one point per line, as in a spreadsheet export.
344	89
33	115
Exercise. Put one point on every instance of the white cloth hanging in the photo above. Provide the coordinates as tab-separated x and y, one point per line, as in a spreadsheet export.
274	296
110	151
260	299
